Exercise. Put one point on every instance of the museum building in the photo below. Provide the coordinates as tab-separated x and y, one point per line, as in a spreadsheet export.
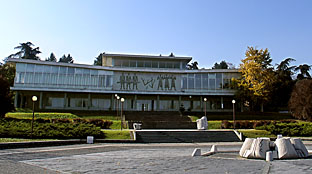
147	83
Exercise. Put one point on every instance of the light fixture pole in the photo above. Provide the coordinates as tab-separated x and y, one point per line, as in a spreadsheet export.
205	100
117	106
34	99
122	101
233	101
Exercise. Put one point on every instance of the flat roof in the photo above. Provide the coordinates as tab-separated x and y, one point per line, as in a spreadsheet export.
148	56
165	70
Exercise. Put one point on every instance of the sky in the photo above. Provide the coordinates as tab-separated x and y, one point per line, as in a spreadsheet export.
207	30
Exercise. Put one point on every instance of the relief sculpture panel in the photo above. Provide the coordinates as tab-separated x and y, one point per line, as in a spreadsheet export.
129	81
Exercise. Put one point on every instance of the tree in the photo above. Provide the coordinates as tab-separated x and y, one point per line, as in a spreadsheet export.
7	71
98	60
304	71
221	65
193	65
257	77
26	51
67	59
300	103
283	85
6	101
52	58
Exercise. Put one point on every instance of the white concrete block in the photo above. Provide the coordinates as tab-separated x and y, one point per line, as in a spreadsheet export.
214	149
196	152
90	139
269	156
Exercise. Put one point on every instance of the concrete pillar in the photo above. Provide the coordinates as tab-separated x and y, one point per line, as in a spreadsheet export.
135	102
180	100
111	102
157	104
65	100
40	100
89	101
22	101
16	99
201	103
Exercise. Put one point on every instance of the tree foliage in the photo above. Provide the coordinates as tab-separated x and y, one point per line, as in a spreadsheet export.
193	65
66	59
26	51
304	71
6	78
52	58
98	60
221	65
300	103
257	77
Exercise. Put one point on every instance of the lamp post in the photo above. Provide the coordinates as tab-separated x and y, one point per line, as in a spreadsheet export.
117	97
116	102
233	101
205	100
122	101
34	99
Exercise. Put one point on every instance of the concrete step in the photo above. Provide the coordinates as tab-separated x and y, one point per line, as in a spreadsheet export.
195	136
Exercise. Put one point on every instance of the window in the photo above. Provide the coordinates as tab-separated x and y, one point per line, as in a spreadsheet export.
117	63
184	82
190	81
198	81
205	81
132	63
140	64
162	64
102	81
71	70
219	81
154	64
176	65
148	64
212	80
108	81
20	67
125	63
30	68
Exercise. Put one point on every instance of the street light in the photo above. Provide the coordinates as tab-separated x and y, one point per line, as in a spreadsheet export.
233	101
121	100
34	99
117	97
205	100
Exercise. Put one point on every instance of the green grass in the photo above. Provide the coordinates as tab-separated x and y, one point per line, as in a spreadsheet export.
116	125
117	134
9	140
252	133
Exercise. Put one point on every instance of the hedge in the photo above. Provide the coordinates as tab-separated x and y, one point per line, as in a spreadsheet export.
289	129
22	129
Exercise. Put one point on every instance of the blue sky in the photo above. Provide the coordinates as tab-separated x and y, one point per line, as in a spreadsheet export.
209	31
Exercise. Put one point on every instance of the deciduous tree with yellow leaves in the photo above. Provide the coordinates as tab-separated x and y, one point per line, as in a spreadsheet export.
255	84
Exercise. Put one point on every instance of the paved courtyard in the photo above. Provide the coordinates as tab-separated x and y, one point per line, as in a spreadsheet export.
140	158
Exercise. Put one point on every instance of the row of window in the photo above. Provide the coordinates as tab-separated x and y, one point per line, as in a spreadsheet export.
148	64
99	81
209	81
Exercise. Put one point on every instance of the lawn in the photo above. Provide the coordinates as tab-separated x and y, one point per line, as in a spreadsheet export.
11	140
252	133
117	134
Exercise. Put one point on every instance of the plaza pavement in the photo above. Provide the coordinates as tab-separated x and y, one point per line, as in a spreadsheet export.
142	158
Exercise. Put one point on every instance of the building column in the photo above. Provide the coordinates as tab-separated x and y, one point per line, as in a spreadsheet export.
135	102
201	103
40	100
89	101
16	99
111	102
180	101
22	101
157	104
65	100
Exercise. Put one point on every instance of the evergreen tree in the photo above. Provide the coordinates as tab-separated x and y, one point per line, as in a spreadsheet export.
221	65
26	51
98	60
52	58
66	59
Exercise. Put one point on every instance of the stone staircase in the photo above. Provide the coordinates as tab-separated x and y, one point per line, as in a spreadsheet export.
183	136
159	120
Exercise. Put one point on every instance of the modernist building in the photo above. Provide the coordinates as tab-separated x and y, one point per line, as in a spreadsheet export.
147	83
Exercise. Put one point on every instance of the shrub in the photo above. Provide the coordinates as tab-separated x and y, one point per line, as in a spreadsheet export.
289	129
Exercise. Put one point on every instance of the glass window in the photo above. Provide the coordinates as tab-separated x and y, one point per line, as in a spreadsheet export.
140	63
63	70
176	65
184	82
148	64
125	63
40	68
54	69
154	64
191	81
219	81
79	71
162	64
212	83
132	63
101	81
117	62
71	70
205	81
198	81
20	67
30	68
108	81
86	71
169	65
